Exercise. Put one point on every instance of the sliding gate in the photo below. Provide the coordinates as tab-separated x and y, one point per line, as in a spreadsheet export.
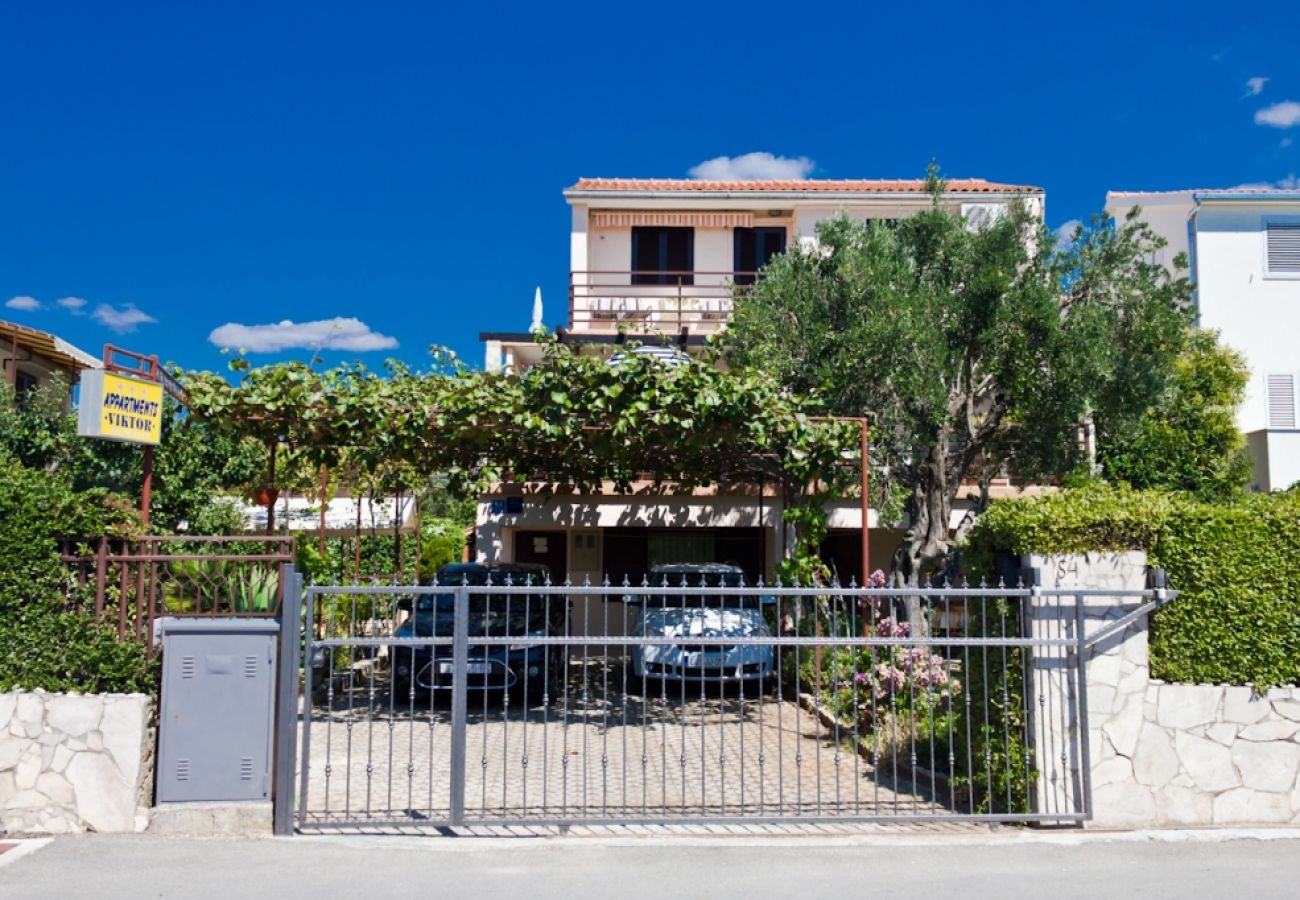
564	705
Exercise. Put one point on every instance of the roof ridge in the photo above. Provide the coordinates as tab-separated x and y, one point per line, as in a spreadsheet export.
811	185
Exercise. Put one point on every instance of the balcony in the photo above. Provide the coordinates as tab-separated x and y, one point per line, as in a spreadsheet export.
654	302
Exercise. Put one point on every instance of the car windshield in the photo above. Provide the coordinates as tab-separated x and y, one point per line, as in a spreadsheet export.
696	578
519	612
512	613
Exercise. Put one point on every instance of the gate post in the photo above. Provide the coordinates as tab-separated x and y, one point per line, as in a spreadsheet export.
1086	698
286	720
460	674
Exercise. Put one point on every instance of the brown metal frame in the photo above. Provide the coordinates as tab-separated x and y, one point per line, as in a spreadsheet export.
138	567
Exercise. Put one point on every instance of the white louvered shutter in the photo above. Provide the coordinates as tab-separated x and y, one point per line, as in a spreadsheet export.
1281	401
1284	248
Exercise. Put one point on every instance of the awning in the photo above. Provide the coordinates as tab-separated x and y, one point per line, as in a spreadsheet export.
626	218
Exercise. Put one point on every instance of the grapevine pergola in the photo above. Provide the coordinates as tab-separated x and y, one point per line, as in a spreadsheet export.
572	420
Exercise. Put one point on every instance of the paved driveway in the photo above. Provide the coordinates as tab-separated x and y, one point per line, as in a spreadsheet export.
603	751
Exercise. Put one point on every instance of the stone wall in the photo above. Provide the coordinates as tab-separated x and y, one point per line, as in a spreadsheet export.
1204	754
1161	754
75	762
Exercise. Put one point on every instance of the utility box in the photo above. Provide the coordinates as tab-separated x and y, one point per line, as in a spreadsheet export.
217	709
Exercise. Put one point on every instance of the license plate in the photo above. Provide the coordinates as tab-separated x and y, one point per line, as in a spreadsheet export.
474	668
710	660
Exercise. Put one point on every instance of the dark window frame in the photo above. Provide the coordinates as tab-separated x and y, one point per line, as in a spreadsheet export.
661	252
745	259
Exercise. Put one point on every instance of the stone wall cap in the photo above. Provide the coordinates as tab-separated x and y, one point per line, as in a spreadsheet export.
38	692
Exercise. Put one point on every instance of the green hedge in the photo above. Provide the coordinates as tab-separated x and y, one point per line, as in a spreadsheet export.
1235	565
40	645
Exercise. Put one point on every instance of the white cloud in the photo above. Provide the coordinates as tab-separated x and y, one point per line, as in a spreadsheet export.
325	334
1286	142
124	320
1289	183
26	304
74	305
1255	86
759	166
1065	234
1279	115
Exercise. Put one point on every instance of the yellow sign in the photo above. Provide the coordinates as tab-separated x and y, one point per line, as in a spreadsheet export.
119	409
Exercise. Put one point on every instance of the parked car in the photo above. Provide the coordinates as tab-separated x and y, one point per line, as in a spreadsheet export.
686	616
524	667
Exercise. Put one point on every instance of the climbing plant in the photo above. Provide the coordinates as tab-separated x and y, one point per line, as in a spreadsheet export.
574	421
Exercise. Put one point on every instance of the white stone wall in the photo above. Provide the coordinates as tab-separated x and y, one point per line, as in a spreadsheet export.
1205	754
1116	669
1161	754
75	762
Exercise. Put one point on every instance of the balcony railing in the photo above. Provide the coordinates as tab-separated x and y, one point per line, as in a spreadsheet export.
665	302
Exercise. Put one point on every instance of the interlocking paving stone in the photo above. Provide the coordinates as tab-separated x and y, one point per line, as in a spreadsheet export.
601	753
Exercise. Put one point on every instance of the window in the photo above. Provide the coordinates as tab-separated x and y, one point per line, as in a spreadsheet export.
1283	249
663	255
24	384
1281	401
754	247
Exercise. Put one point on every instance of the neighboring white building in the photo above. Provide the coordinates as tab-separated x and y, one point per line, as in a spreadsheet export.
661	257
1244	252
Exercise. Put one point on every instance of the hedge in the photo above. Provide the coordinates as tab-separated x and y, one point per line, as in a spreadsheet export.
41	646
1235	565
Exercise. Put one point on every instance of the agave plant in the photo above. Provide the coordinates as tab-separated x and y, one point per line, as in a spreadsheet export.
202	585
254	590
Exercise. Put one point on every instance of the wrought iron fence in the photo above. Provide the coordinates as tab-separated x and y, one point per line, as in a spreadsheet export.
128	584
600	704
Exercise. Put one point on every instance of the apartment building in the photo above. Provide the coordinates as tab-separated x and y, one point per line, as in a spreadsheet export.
668	259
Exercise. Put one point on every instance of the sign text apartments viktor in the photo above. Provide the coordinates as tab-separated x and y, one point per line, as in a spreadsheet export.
119	409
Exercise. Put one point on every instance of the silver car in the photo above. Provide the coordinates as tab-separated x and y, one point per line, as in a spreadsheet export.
695	621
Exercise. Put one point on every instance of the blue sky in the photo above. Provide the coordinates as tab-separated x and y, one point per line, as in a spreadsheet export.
180	167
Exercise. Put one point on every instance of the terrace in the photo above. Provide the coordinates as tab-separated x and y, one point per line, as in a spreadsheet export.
654	301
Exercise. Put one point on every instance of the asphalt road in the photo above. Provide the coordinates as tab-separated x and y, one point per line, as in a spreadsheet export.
993	866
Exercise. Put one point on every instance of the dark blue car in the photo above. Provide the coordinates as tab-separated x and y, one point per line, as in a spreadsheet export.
529	670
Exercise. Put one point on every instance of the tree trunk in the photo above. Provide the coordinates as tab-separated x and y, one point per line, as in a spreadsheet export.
926	543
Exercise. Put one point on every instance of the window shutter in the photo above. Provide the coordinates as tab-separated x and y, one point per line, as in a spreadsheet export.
1281	401
1284	248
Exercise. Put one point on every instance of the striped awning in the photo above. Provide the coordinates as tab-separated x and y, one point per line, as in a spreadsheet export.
626	218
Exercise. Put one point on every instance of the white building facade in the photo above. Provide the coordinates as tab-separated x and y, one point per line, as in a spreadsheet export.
1243	248
667	260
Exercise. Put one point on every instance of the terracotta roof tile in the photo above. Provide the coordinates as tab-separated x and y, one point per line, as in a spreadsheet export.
856	186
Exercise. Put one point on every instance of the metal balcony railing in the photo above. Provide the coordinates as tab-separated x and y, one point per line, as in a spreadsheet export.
653	301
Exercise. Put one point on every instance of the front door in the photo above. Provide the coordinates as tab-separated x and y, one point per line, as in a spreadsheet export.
545	547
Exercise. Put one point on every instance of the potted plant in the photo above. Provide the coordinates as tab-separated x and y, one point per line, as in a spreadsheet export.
266	496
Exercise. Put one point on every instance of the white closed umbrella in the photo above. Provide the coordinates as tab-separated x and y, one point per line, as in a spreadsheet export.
537	313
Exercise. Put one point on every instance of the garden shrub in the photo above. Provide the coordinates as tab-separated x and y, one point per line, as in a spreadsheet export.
1237	617
440	548
41	646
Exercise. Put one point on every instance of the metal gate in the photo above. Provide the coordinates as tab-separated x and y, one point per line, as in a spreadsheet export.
518	704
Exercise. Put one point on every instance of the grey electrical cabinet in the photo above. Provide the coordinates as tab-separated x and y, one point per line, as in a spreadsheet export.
218	703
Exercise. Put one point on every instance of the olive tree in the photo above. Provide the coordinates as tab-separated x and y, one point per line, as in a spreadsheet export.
972	349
